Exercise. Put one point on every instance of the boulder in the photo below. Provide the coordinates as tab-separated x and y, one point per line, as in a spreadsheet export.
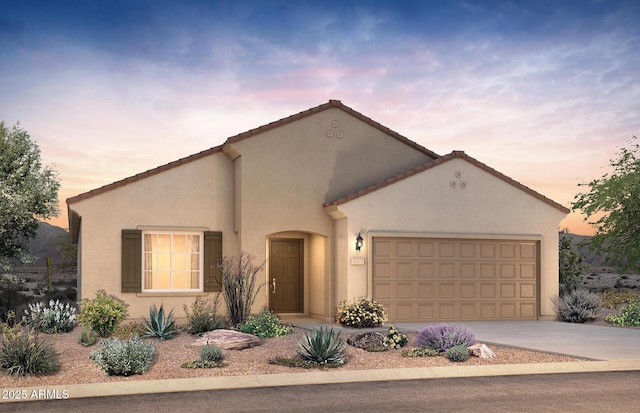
227	339
366	340
482	351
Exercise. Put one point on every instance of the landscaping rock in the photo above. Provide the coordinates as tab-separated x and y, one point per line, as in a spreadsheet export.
366	340
228	339
482	351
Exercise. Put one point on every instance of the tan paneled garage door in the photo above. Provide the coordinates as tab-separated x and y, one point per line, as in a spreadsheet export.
428	279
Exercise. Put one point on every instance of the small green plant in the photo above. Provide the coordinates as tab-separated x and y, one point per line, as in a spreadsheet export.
23	352
265	324
55	318
322	346
210	353
88	337
376	349
204	316
239	286
124	357
578	306
458	353
210	356
629	315
297	362
395	339
361	313
420	352
103	313
158	326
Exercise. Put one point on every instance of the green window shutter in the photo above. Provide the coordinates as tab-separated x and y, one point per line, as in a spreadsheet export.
212	255
131	261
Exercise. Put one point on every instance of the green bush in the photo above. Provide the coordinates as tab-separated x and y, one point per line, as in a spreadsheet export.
124	357
322	346
23	352
204	315
458	353
361	313
55	318
578	306
158	326
420	352
210	353
103	313
265	324
629	315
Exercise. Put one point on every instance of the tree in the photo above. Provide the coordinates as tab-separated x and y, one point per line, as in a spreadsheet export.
572	267
612	207
28	191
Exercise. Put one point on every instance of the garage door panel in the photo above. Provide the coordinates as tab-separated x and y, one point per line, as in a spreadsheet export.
429	279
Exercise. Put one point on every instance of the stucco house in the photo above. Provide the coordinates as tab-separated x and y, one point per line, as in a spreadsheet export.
339	206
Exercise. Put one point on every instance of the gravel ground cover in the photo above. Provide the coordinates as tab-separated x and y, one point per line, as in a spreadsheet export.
76	367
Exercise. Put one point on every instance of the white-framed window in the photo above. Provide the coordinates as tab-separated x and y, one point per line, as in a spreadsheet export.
172	261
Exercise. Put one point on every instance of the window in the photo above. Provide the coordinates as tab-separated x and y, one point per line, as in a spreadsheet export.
172	261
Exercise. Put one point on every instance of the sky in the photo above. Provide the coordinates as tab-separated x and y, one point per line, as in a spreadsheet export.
545	92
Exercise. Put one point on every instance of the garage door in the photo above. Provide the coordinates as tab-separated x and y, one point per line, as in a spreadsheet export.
427	279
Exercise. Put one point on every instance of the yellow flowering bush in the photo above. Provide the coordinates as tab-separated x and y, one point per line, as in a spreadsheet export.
395	339
361	313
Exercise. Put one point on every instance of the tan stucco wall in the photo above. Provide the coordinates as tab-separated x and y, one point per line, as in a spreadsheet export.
288	173
194	194
427	205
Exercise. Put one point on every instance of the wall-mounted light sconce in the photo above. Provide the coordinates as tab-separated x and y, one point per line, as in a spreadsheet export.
359	242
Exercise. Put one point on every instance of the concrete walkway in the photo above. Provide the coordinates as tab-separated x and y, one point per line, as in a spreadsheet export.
611	349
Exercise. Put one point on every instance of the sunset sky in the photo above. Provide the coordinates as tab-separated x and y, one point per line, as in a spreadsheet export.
543	91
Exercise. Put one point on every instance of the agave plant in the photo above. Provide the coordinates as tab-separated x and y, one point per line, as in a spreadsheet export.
159	326
322	346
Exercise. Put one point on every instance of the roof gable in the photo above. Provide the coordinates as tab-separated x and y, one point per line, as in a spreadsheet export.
439	161
253	132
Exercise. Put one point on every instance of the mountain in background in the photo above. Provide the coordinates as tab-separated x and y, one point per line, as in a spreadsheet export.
579	244
45	244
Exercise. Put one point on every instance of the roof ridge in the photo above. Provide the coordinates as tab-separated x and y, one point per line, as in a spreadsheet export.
440	160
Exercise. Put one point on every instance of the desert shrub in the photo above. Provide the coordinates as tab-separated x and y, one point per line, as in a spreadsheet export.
395	339
210	353
54	318
613	298
23	352
103	313
159	326
420	352
572	268
442	337
361	313
458	353
88	337
239	286
124	357
629	315
129	330
322	346
204	316
265	324
578	306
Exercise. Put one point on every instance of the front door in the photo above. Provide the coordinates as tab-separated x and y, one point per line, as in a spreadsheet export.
285	276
